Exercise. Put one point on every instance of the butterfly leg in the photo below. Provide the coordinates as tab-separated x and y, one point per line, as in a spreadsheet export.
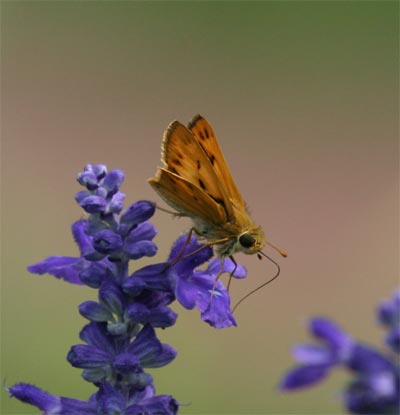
233	271
221	271
219	241
182	250
168	211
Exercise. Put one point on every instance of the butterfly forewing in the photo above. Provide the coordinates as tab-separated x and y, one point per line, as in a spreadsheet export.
207	139
185	157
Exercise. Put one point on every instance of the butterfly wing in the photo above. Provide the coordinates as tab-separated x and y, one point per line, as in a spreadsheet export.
185	157
207	139
187	198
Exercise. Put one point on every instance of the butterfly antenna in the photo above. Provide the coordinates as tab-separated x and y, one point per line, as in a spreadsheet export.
281	251
259	253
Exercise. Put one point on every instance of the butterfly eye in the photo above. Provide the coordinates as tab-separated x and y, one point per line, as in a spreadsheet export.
246	240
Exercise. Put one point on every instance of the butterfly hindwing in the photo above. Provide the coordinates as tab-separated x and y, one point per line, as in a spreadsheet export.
187	198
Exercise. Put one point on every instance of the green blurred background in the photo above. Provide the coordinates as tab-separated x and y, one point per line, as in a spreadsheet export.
303	97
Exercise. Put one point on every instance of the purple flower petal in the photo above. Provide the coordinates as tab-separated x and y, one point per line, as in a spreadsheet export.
188	260
327	331
126	363
113	181
94	273
97	335
96	375
111	295
153	275
93	204
140	249
87	357
167	355
94	311
371	395
138	313
88	179
393	339
146	346
107	242
35	396
110	401
117	203
137	213
147	392
149	349
366	360
100	170
186	293
303	376
309	354
386	312
84	241
162	316
143	231
162	404
389	311
74	406
133	286
215	310
228	266
64	267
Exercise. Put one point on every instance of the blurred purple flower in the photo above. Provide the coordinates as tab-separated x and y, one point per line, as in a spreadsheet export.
375	388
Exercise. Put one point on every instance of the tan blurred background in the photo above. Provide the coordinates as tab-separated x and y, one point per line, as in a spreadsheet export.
303	97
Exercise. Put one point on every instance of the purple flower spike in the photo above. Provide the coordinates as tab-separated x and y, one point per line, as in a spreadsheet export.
318	361
375	388
120	340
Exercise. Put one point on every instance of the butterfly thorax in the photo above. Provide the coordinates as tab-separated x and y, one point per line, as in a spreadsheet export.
248	240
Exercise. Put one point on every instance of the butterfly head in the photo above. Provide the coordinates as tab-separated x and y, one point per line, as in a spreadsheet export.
251	241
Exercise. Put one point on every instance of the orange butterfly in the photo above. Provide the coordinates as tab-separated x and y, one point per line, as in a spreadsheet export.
196	181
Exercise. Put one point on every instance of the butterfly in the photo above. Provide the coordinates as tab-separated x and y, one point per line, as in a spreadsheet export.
197	183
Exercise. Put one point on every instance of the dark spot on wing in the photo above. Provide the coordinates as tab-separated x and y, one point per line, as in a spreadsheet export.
198	165
173	170
177	161
206	133
220	202
212	159
202	185
201	135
